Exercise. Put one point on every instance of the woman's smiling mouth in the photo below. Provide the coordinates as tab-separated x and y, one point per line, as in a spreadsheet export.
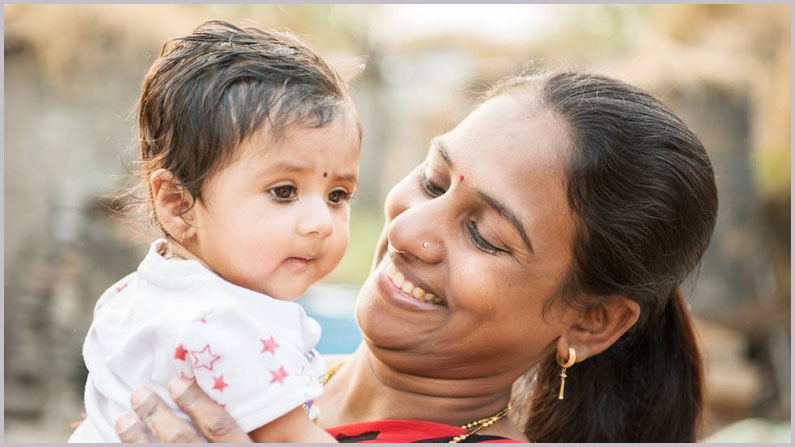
399	280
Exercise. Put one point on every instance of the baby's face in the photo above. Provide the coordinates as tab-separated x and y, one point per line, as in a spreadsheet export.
276	219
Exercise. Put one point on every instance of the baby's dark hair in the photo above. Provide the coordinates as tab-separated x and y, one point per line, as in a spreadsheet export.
209	91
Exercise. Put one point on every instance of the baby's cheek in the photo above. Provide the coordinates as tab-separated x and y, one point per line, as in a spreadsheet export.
341	247
335	253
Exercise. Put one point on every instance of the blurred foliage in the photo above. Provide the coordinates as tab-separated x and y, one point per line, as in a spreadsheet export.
71	40
73	73
596	31
757	41
76	44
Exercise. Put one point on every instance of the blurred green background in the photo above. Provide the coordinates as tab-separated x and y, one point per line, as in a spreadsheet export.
72	76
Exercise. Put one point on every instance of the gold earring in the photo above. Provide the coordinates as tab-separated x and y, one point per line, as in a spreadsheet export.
564	365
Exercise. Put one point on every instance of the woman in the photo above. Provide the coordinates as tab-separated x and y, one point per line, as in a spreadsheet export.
554	226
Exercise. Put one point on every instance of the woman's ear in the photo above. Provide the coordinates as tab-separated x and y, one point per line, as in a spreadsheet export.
601	325
172	204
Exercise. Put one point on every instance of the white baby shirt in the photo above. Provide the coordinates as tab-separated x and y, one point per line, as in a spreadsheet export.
251	353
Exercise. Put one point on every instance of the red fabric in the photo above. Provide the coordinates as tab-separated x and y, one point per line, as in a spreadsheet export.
406	431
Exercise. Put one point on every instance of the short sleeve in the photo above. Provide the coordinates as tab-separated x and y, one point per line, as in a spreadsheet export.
251	370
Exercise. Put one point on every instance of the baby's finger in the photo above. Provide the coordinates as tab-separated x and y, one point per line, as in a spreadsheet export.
166	426
213	421
131	430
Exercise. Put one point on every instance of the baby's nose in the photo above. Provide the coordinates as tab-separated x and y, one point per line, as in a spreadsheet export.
316	220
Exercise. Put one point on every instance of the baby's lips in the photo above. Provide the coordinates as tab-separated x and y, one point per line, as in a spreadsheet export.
303	257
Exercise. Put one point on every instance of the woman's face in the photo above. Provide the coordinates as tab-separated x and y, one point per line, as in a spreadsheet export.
484	225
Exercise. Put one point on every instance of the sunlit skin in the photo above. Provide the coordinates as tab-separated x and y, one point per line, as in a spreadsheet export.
484	223
275	220
456	362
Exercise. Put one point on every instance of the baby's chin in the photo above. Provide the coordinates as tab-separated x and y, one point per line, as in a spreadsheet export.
278	284
284	293
291	283
287	289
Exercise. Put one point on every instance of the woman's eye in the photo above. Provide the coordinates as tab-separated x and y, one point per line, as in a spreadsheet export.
479	241
430	188
339	196
283	193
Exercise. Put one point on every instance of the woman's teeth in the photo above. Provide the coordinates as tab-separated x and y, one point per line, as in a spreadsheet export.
405	285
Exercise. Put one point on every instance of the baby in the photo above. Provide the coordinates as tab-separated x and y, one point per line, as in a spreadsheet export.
250	148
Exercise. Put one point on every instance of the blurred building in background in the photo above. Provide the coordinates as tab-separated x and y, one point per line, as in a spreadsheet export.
72	76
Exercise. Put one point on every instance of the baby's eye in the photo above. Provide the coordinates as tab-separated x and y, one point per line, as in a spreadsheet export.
283	193
338	196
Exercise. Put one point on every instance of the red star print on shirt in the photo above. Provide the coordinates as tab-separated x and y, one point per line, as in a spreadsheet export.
278	375
180	352
204	358
219	383
269	345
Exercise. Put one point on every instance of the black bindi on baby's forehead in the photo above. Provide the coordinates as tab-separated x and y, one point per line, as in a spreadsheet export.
325	174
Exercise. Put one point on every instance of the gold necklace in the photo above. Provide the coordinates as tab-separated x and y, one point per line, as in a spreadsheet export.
323	379
330	372
473	427
480	424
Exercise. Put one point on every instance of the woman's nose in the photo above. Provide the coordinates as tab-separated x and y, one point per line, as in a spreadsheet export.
316	219
419	230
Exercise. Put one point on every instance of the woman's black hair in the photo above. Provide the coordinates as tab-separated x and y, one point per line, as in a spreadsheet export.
643	189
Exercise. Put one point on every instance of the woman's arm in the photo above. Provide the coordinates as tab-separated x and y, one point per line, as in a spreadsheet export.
214	423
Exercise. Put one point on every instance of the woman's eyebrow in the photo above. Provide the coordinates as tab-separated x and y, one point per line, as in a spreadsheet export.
509	215
442	150
495	204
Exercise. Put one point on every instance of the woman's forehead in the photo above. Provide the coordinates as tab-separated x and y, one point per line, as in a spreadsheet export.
509	138
518	155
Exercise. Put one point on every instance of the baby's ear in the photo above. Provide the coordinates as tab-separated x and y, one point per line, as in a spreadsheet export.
172	204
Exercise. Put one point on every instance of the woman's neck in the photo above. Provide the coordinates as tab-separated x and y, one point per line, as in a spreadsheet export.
365	389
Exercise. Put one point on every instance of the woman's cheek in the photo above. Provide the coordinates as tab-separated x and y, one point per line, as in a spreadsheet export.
482	284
